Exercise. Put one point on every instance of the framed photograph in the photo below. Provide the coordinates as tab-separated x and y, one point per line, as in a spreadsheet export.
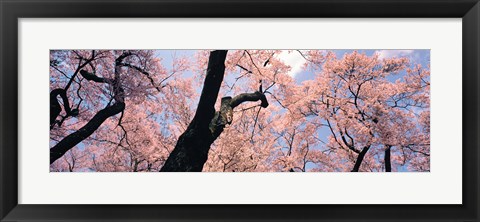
227	111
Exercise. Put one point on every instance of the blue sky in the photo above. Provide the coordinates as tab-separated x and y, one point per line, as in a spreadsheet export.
295	60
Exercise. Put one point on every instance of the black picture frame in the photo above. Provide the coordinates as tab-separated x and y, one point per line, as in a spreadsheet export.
11	11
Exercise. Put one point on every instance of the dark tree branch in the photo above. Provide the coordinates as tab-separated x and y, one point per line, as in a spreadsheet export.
252	97
124	55
80	67
245	69
56	108
254	125
225	115
417	151
255	65
147	74
78	136
92	77
78	94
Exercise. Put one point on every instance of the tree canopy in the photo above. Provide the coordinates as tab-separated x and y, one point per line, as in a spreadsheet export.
238	111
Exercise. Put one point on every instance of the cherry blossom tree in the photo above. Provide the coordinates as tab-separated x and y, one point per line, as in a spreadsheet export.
128	110
367	113
95	86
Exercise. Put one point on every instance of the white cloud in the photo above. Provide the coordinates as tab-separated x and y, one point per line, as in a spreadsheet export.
382	54
292	59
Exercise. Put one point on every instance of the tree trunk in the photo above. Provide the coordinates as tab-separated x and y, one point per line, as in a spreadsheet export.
388	164
191	151
359	160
